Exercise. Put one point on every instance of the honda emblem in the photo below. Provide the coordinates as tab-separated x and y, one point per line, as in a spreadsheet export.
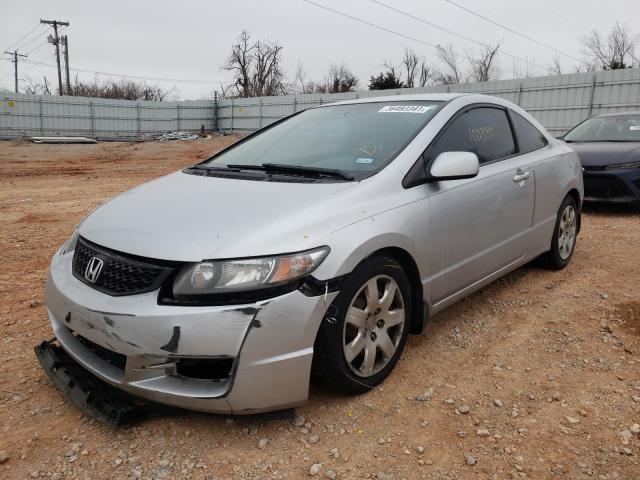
94	267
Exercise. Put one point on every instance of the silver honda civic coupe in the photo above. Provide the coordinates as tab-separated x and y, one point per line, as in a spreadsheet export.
317	243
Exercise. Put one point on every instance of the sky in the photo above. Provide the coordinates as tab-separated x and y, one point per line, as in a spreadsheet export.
185	43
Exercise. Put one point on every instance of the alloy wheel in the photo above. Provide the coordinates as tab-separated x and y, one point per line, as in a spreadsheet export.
373	326
567	232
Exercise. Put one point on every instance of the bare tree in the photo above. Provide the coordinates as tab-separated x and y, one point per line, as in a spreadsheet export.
426	74
268	77
449	57
300	82
37	88
256	65
122	89
483	67
302	85
617	51
526	70
339	79
555	68
239	62
410	62
391	68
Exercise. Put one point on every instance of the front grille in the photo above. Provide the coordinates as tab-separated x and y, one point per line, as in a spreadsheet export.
121	274
605	187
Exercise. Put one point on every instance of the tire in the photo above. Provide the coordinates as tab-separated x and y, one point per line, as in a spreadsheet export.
370	320
565	234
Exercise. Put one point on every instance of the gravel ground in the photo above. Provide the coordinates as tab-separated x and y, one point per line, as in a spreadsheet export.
536	376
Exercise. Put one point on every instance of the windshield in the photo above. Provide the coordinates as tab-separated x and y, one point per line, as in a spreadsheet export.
358	139
619	128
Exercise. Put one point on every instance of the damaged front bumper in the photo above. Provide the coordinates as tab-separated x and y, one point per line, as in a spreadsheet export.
102	401
238	359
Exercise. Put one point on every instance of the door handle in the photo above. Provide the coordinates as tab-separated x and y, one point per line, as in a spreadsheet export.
521	176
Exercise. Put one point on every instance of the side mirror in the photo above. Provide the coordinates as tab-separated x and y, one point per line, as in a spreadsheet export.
454	166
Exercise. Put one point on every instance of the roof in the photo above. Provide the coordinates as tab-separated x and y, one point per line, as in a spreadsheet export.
442	97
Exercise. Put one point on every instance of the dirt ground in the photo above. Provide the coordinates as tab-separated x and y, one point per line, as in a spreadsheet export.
546	363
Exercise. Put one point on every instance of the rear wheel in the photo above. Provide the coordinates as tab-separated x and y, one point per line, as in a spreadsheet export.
359	346
563	242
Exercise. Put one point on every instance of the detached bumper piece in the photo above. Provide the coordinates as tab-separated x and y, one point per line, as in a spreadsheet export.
98	399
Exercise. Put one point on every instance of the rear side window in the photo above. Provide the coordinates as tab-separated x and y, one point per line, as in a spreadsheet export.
484	131
529	137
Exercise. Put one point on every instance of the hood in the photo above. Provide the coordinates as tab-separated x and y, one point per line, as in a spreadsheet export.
601	154
192	218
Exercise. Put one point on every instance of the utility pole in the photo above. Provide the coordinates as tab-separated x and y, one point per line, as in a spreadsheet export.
56	41
15	55
65	41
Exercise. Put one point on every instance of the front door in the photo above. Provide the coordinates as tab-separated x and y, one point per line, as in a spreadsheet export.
479	225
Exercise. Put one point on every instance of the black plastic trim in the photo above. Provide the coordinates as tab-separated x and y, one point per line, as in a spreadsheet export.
93	396
411	179
312	287
165	268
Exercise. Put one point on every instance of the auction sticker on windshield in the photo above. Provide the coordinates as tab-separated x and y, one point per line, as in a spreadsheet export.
364	160
405	108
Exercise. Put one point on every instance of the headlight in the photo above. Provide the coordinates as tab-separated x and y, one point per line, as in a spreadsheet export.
70	246
224	276
623	166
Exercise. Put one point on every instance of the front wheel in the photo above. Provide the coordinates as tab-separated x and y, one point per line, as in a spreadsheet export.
358	347
563	242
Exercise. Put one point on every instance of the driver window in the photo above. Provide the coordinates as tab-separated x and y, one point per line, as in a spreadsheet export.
484	131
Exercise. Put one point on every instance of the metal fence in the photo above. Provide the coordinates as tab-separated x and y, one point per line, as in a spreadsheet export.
23	115
558	102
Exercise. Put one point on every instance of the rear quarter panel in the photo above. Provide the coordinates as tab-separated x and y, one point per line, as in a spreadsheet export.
557	172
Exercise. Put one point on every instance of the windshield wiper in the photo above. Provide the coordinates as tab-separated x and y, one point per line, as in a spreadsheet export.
279	167
199	166
330	172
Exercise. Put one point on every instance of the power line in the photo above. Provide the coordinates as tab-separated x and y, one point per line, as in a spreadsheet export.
16	56
385	29
379	27
37	37
46	40
472	12
14	44
17	46
134	77
516	24
5	76
559	15
515	57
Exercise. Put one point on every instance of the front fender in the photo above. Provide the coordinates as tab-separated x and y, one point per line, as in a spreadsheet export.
405	227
